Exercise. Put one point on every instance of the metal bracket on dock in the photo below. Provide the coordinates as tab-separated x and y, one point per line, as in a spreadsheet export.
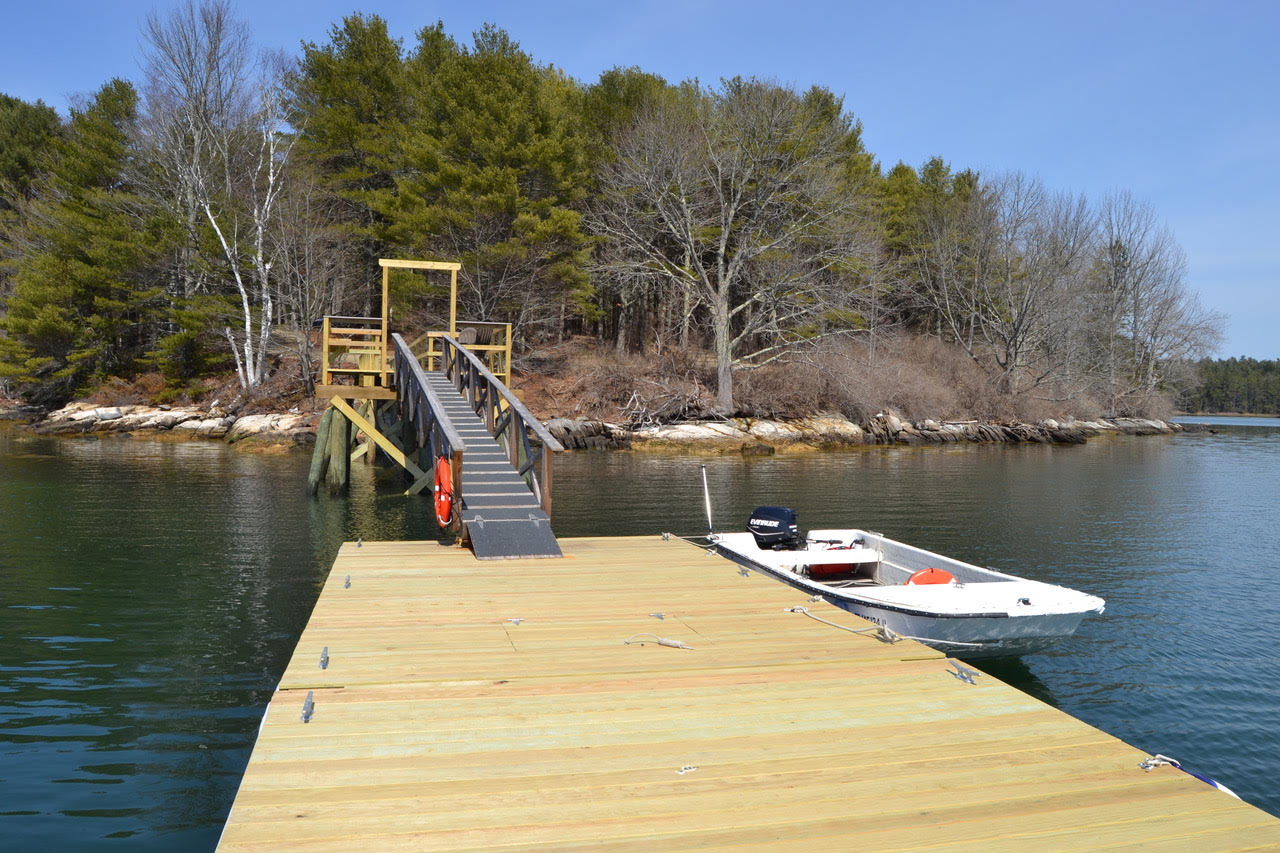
309	707
963	673
324	658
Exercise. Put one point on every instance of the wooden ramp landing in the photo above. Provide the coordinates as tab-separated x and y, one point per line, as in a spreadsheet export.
529	705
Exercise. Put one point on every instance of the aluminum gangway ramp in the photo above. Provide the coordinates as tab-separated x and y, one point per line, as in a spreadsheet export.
501	516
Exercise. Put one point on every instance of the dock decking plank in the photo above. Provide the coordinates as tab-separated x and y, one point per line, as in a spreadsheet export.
441	723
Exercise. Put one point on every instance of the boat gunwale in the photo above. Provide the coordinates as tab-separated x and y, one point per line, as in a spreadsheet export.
817	588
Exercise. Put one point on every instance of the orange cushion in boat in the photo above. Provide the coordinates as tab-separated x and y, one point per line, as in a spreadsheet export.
931	576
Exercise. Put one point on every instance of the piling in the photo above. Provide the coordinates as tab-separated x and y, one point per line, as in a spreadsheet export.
320	453
339	452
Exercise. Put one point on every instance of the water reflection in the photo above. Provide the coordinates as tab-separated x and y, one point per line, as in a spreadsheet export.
151	594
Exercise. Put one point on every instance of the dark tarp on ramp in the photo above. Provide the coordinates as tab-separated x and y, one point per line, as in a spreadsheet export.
508	533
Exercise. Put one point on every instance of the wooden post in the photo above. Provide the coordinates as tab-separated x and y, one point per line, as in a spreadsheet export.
506	358
453	302
546	480
326	377
385	346
515	436
408	433
369	410
455	465
339	448
359	421
320	455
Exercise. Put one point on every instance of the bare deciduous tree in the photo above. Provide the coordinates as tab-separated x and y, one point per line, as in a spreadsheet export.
1042	243
952	258
999	266
1142	316
315	265
738	199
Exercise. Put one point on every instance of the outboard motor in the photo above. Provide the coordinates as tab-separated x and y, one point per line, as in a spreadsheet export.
774	528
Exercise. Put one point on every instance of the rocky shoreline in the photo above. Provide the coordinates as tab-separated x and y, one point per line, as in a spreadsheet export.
754	436
285	430
749	436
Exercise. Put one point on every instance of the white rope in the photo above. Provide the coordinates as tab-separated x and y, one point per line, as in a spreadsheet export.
873	629
654	638
882	632
1159	760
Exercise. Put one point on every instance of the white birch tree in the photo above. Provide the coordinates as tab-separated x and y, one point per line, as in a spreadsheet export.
217	133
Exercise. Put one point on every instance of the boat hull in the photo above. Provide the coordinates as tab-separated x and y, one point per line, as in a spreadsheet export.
971	637
980	613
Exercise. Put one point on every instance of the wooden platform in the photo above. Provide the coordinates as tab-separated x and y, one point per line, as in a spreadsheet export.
355	392
497	705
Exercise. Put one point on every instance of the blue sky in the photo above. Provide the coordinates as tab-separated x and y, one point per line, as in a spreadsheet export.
1177	102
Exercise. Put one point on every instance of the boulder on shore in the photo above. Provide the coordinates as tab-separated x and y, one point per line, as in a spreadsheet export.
716	435
584	434
80	417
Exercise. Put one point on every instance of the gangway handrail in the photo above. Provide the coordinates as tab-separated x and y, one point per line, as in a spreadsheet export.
435	430
476	366
509	424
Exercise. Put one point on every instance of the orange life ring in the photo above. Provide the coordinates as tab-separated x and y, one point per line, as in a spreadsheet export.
444	492
931	576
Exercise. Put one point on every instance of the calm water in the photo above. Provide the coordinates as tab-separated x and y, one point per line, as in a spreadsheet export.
151	594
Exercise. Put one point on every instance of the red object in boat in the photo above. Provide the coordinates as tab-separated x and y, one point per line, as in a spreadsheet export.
931	575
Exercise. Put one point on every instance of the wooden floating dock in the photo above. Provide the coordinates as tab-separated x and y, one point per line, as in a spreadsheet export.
472	705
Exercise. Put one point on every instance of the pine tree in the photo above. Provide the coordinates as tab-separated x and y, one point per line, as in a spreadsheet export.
80	302
27	132
494	163
348	102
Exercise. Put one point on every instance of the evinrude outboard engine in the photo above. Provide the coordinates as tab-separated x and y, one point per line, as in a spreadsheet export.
774	528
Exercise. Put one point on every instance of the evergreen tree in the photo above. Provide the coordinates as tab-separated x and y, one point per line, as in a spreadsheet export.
80	304
494	164
610	105
27	131
348	102
1244	385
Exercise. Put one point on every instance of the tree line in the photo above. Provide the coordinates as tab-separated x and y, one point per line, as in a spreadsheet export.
1246	385
204	219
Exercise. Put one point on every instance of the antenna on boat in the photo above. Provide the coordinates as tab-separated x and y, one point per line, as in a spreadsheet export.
706	495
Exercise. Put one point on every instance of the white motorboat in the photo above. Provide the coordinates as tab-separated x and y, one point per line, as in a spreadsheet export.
956	607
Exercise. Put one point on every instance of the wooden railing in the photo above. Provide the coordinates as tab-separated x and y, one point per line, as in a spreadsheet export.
423	412
506	418
354	357
490	342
